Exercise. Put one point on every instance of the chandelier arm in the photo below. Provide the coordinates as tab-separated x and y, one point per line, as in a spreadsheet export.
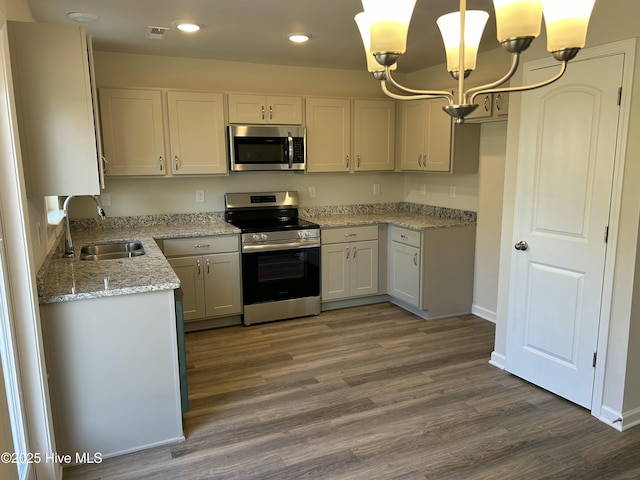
414	96
523	88
411	91
472	93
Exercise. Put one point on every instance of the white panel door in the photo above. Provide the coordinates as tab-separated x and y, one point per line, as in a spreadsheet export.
565	171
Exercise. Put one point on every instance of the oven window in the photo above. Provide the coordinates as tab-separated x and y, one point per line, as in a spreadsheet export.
283	267
280	275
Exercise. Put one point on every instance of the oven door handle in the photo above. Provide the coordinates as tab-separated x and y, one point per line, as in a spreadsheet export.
270	247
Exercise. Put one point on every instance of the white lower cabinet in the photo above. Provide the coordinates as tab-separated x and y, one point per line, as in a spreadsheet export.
112	365
432	270
404	265
349	258
209	273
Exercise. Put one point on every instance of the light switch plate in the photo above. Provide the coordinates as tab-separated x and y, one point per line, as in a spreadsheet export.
312	191
376	189
199	196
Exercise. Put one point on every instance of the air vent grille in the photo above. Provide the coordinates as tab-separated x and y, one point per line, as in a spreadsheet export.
157	33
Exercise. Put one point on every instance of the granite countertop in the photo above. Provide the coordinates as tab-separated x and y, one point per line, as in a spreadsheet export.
414	221
66	279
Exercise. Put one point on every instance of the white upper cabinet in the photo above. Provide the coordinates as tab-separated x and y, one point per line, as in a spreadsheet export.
350	136
328	134
491	107
132	131
196	133
429	141
54	106
261	109
374	135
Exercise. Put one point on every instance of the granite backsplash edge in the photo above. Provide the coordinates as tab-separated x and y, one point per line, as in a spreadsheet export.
190	218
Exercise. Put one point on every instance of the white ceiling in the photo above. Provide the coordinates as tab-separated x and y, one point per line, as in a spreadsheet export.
255	31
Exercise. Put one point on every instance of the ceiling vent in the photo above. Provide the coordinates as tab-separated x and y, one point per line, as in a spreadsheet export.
157	33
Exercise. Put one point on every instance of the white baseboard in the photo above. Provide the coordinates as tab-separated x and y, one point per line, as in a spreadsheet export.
498	360
483	313
630	419
611	417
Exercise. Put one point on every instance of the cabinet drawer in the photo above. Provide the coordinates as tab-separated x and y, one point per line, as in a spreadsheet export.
349	234
200	245
405	236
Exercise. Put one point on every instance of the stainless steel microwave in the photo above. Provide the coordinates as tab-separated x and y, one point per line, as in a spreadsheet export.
260	148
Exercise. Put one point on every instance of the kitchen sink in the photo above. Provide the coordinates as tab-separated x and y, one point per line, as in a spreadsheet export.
112	250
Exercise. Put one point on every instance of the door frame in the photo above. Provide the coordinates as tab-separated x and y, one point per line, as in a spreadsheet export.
627	48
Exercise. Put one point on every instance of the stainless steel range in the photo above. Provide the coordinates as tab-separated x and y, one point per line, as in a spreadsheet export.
280	256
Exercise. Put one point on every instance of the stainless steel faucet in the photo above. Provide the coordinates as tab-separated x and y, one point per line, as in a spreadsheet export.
68	243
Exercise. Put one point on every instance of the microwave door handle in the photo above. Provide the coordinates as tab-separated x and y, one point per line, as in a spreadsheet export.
290	142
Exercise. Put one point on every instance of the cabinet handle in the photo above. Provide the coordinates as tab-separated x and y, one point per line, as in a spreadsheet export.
270	112
262	112
348	252
201	245
424	160
198	265
499	101
355	251
161	163
347	235
415	259
176	161
419	159
208	267
347	161
403	236
487	103
358	161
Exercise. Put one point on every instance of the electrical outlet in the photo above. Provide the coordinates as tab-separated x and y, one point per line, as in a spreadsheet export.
312	191
452	192
376	189
105	199
199	196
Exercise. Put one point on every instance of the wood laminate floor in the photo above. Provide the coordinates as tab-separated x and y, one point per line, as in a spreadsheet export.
370	393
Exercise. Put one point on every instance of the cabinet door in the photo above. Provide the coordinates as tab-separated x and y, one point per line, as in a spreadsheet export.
438	145
258	109
190	272
249	109
132	131
196	133
364	268
284	110
374	135
222	284
484	110
500	104
336	271
413	118
54	106
404	273
328	135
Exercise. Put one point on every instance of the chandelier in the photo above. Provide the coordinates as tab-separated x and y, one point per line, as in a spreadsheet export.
384	25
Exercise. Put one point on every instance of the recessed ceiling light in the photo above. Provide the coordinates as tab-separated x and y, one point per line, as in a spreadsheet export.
299	37
187	27
82	17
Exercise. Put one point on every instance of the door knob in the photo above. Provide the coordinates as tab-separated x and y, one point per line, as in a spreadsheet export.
522	246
